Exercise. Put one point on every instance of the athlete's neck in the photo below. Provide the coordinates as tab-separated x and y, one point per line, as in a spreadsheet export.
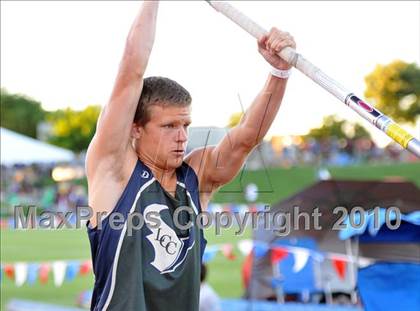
166	176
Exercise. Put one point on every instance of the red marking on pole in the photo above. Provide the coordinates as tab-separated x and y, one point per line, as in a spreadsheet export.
365	106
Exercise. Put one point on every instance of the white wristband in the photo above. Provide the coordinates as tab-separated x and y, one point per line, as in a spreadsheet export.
282	74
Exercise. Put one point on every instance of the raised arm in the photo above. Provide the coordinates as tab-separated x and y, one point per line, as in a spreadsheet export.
112	136
221	163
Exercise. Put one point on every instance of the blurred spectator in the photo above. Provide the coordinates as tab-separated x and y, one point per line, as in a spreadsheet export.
209	300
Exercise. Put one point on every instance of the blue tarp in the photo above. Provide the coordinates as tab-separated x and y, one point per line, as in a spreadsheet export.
390	286
304	280
256	305
406	233
386	286
368	226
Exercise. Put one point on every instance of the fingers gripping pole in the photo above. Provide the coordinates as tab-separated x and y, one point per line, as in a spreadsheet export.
374	116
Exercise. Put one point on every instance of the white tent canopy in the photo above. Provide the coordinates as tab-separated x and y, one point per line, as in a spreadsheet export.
20	149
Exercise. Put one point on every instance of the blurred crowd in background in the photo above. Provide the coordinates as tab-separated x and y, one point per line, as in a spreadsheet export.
24	185
325	152
40	183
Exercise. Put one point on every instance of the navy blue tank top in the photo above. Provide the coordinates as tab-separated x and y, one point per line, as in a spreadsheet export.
143	268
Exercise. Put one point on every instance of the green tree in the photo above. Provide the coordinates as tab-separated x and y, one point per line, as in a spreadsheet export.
335	127
395	90
234	119
20	113
73	129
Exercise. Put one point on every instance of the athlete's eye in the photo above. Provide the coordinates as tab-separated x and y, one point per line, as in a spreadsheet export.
168	126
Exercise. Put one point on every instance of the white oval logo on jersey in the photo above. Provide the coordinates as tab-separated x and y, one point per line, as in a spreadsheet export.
170	250
145	174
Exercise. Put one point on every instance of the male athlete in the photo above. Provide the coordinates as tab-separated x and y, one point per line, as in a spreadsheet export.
136	163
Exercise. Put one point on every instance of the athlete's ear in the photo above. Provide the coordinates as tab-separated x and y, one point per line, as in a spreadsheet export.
136	130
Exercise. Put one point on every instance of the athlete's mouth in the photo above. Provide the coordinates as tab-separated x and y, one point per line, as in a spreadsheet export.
179	151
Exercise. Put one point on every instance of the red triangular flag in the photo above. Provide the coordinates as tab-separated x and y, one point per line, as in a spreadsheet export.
9	270
340	267
85	267
278	254
227	251
44	270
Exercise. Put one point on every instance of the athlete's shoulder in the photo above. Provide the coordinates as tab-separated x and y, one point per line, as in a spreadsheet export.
196	159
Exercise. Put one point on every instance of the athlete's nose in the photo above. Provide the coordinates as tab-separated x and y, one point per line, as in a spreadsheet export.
182	135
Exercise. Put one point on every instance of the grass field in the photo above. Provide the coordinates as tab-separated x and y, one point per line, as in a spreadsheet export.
278	183
224	275
46	245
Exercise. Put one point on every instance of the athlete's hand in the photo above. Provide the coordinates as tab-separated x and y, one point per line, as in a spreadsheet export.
272	43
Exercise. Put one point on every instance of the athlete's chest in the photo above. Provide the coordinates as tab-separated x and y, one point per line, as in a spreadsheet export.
170	231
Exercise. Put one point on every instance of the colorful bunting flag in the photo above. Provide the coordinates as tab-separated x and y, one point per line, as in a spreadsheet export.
59	271
44	270
252	208
72	270
210	253
278	254
21	272
217	208
301	257
260	249
9	270
340	267
227	251
32	273
86	267
245	246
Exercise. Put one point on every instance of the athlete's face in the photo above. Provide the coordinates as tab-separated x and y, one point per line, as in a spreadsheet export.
163	140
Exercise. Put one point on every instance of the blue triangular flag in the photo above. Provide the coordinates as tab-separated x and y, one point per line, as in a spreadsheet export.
72	270
260	249
210	253
32	273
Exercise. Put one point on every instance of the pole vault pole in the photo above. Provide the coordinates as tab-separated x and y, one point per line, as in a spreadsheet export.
368	112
